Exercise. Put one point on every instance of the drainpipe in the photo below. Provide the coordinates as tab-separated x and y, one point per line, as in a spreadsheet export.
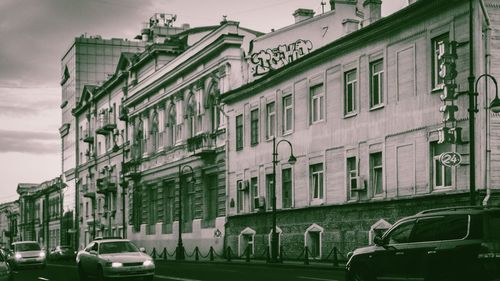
487	63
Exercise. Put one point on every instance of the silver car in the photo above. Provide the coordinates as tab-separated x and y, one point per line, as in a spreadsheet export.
114	258
27	254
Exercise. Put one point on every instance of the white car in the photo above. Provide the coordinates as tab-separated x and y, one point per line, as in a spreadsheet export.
27	254
114	258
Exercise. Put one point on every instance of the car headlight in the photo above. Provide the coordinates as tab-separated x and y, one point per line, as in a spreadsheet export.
116	264
42	254
18	256
148	263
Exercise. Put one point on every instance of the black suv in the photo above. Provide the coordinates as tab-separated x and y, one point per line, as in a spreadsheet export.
458	243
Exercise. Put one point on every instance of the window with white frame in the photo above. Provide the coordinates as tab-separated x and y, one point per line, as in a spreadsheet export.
246	242
317	103
376	83
441	174
271	120
171	124
352	175
437	43
254	189
316	181
287	114
376	173
179	119
239	196
313	241
192	116
350	85
269	191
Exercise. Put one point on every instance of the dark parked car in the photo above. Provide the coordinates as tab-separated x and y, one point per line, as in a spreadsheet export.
459	243
62	253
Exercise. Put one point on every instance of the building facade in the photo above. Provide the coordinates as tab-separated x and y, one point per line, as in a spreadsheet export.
41	213
9	216
364	115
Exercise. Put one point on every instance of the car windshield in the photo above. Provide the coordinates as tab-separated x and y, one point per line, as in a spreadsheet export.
2	258
26	247
117	247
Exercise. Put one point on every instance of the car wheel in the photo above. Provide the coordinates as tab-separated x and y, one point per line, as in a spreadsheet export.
100	275
81	274
357	275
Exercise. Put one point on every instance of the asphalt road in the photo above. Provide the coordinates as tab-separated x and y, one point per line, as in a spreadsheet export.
196	272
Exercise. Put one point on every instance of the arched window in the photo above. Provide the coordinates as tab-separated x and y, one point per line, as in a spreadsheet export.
246	240
154	131
171	125
312	239
139	136
191	114
212	99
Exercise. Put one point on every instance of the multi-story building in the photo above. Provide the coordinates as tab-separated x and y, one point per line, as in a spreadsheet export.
363	116
40	207
177	132
9	215
88	60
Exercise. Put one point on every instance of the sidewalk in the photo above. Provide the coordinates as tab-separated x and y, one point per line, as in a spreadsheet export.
327	265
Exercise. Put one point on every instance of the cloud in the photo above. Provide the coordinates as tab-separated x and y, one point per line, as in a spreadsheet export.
29	142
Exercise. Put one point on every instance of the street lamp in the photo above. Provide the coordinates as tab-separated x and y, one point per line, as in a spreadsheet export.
291	161
179	252
123	181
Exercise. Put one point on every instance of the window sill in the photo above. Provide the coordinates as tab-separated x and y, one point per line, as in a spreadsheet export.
317	202
442	189
317	122
287	133
349	115
377	107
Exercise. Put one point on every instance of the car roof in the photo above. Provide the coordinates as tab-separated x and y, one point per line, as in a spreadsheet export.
111	240
458	210
24	242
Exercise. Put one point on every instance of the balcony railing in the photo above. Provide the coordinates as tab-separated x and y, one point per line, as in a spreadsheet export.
88	136
105	123
201	144
88	190
106	184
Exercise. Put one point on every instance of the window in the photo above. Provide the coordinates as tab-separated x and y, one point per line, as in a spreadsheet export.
352	175
271	120
313	236
239	196
437	81
171	124
211	197
440	228
254	186
254	127
286	188
376	83
401	233
269	191
192	116
350	80
316	178
239	132
287	114
151	206
169	205
376	172
441	173
317	103
86	210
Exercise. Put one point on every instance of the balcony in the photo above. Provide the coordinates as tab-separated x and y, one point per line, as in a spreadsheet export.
201	145
105	123
106	184
87	136
88	190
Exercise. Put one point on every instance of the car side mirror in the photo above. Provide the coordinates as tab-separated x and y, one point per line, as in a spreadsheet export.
379	241
142	249
93	252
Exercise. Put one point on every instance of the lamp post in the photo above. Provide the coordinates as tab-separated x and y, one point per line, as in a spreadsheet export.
291	161
494	107
179	252
123	181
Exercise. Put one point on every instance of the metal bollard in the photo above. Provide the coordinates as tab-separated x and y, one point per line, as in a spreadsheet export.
247	254
228	254
335	257
211	253
165	254
306	255
196	254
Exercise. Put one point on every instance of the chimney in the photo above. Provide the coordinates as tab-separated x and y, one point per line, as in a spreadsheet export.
303	14
411	2
350	25
341	2
372	11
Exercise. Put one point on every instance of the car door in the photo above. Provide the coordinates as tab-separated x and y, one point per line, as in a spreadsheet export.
388	261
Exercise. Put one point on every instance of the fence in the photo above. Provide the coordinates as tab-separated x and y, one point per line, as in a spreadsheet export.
335	256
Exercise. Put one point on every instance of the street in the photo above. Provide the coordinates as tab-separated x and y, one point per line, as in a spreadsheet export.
196	272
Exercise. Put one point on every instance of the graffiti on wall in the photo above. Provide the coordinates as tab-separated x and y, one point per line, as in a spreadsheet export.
270	59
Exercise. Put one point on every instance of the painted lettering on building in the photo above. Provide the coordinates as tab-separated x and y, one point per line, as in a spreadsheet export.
269	59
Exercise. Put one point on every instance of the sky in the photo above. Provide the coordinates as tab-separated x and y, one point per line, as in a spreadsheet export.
36	33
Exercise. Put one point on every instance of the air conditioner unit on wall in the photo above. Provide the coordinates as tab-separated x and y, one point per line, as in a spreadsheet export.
244	186
361	184
261	202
